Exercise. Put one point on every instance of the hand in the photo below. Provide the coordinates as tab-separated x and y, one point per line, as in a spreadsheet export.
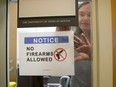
81	56
83	47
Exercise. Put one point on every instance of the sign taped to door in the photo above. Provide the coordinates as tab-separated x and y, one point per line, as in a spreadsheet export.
45	53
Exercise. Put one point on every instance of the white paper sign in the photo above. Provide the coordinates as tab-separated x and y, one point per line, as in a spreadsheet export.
45	53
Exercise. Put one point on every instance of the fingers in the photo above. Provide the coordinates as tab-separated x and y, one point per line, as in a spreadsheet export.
77	40
76	44
82	56
84	49
85	39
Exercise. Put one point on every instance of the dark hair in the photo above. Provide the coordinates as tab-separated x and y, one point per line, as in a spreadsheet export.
84	3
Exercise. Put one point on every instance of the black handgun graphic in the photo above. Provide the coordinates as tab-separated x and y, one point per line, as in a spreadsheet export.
58	54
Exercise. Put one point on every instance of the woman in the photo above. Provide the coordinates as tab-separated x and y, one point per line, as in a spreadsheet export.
83	51
82	43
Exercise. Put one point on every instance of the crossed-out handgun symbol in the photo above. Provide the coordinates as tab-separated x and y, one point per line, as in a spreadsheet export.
58	54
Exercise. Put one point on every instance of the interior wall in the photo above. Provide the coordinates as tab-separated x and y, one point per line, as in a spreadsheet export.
2	43
104	26
113	7
12	39
95	43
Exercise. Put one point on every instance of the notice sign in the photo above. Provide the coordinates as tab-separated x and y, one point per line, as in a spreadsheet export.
45	53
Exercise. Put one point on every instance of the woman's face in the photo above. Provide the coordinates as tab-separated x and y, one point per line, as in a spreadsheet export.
84	18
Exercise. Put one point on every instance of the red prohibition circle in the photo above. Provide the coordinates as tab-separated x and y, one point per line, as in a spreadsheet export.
60	54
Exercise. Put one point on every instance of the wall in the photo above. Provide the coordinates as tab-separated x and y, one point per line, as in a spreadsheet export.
2	43
102	43
104	26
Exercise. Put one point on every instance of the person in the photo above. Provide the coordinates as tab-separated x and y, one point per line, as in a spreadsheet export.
82	43
83	49
83	40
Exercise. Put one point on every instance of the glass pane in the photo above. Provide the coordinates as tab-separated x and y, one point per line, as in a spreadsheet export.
82	53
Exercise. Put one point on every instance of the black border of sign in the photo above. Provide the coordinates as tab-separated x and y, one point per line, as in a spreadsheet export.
47	21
